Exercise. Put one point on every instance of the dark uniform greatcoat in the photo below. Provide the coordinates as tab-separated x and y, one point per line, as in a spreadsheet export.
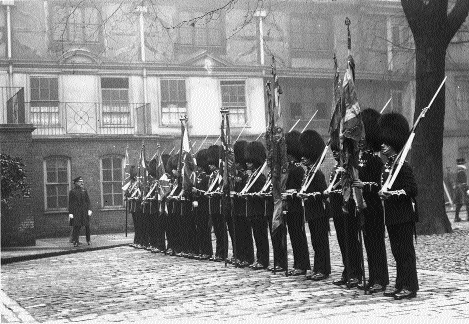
78	206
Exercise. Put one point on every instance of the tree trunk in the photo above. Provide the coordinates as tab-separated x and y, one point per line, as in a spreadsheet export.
428	143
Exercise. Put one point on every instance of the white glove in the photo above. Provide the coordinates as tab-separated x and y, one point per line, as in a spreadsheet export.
70	216
89	212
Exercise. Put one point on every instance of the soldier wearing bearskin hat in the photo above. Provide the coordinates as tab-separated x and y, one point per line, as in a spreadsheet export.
163	189
369	168
174	208
255	157
134	196
399	206
214	199
294	210
312	145
130	193
150	207
204	250
241	229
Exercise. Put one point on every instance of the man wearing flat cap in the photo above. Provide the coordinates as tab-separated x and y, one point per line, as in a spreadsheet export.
461	189
79	210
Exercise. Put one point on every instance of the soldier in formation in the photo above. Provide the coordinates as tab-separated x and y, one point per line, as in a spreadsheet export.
180	223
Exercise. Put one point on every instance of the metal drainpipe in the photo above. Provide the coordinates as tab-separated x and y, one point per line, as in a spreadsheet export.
10	64
142	10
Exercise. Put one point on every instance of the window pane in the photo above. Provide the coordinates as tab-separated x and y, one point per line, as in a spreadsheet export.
51	202
107	187
51	176
62	190
62	176
62	202
107	163
50	190
117	163
116	187
107	175
118	201
107	198
117	174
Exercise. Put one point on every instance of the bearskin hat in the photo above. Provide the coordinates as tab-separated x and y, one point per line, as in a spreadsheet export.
152	168
311	145
370	122
292	140
172	163
165	158
201	159
213	154
394	130
255	153
239	149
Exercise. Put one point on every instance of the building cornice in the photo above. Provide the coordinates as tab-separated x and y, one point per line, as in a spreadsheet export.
166	70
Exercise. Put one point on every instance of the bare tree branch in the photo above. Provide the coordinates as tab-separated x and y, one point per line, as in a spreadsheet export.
456	17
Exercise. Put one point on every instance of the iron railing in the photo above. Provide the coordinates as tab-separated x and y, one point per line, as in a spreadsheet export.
12	105
63	118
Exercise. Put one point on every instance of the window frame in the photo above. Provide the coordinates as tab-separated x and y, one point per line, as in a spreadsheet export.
190	47
45	182
56	21
121	113
246	108
102	182
43	109
313	53
161	102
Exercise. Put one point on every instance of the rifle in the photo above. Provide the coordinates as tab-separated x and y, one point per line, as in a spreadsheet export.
387	103
405	150
307	124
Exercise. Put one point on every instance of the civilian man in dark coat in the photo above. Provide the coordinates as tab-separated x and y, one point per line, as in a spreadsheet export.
79	210
399	206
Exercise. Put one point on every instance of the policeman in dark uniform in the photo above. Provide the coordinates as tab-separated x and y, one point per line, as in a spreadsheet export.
399	206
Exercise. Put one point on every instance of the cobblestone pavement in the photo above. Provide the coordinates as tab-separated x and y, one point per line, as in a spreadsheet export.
124	284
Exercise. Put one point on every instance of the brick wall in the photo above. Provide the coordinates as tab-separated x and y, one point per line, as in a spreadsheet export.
85	157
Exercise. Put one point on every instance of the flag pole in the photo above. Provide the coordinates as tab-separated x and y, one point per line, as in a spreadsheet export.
259	136
237	138
310	121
